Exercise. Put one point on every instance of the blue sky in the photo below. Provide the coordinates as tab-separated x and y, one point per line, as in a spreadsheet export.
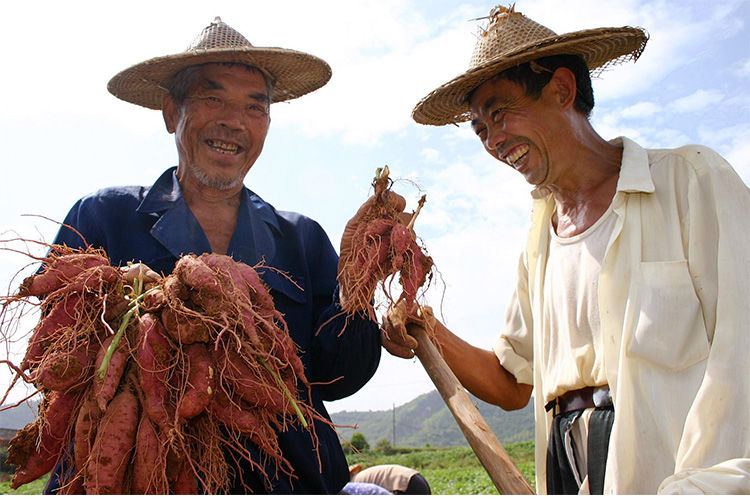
62	135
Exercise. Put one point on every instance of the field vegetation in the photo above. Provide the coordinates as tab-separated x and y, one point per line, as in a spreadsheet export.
449	470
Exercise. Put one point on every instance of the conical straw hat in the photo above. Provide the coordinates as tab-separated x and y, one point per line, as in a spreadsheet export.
294	73
510	39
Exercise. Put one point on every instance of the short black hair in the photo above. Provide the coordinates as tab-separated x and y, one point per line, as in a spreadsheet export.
533	77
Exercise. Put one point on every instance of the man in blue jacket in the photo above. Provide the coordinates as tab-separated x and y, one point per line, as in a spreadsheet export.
215	99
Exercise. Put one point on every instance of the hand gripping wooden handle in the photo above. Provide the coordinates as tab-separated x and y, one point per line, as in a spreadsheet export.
503	473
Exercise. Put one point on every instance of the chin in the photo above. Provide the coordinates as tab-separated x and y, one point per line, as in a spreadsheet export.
215	181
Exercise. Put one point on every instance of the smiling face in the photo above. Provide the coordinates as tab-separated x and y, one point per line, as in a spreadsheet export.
515	128
221	126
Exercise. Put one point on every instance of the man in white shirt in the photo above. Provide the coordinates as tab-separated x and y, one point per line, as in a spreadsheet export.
630	317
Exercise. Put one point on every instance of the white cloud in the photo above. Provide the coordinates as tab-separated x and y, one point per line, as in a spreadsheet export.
743	68
65	135
733	143
430	155
698	100
641	110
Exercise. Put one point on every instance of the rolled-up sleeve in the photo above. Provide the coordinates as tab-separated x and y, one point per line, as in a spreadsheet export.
514	346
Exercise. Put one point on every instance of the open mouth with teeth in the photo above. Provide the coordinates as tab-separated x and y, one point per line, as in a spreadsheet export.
515	155
224	147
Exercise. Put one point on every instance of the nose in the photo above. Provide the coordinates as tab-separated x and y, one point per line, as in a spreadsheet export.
496	137
232	116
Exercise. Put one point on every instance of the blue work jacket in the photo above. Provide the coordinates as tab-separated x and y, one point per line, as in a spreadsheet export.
155	226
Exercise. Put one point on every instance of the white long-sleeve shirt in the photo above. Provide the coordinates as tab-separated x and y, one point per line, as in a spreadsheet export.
674	309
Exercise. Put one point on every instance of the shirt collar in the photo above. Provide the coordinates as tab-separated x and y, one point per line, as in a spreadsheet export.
635	174
163	194
179	231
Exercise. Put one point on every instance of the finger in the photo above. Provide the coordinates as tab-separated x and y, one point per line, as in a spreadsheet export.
395	333
395	348
139	271
398	351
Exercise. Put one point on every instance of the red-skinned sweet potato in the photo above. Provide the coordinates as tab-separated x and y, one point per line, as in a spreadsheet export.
105	387
85	431
149	461
185	330
37	447
153	356
201	381
113	446
59	271
63	371
64	313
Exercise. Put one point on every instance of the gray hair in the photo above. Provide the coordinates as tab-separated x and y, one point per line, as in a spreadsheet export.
183	80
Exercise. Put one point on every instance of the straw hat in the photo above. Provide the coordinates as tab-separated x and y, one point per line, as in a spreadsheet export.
294	73
510	39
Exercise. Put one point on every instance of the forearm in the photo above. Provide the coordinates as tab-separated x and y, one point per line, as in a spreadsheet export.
345	353
480	372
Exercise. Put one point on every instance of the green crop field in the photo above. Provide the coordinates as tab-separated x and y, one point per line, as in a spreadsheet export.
451	470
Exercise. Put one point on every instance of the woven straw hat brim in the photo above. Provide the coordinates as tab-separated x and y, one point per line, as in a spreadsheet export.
598	47
295	73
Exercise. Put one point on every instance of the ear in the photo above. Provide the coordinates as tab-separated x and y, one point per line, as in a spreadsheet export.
564	88
169	113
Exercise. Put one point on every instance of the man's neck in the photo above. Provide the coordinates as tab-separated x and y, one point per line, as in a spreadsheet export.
587	184
216	212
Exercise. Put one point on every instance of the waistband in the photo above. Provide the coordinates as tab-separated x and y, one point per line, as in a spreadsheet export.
583	398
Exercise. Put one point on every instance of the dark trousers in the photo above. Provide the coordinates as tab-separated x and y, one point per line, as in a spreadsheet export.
560	476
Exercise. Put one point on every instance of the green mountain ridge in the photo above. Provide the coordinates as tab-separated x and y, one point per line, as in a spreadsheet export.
427	420
16	417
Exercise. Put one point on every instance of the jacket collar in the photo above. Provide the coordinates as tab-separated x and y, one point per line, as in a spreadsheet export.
179	231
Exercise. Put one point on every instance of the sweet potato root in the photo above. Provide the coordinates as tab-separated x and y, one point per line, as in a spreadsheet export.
65	370
63	314
60	270
150	424
382	245
149	461
201	381
113	446
36	448
106	385
85	431
153	357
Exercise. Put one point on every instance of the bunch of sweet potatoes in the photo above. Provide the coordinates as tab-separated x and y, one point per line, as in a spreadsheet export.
383	246
147	388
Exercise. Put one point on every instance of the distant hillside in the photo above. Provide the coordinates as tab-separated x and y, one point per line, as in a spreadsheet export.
427	420
15	418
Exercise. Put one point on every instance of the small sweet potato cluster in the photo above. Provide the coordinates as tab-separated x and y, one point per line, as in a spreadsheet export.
382	247
155	384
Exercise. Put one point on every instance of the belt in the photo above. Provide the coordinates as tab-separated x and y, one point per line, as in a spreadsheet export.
582	398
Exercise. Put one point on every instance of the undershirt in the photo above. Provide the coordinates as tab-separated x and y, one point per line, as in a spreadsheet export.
572	335
572	352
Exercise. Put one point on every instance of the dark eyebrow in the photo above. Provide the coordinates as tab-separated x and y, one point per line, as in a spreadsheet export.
261	97
211	84
488	104
214	85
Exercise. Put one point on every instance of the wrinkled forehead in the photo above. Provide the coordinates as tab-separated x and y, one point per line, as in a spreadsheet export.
204	75
496	91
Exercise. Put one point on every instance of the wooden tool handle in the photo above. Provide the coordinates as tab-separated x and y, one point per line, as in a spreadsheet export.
503	472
